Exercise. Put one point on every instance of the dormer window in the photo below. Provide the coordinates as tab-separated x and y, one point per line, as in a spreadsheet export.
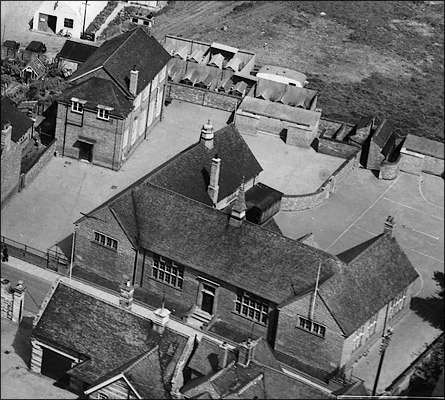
103	112
77	105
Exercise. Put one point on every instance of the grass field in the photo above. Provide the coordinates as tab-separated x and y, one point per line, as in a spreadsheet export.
379	57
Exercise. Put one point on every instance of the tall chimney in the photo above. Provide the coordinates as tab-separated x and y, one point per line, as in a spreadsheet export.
207	135
238	213
161	317
126	290
246	352
223	355
134	73
215	169
389	225
6	135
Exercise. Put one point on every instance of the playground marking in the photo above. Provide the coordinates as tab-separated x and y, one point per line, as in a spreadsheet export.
364	230
426	255
423	233
412	208
424	198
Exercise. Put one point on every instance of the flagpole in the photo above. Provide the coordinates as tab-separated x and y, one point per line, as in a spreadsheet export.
315	291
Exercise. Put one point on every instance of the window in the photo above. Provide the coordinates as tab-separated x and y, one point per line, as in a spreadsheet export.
103	114
372	325
358	337
311	326
135	20
137	102
145	92
162	74
77	105
105	240
167	271
252	307
68	23
125	139
396	305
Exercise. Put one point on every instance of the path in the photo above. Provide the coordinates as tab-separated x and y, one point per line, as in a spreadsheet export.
110	18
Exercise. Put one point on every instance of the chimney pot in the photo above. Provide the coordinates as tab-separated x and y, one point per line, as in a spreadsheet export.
133	81
223	355
238	213
207	135
126	290
389	225
6	135
161	318
213	188
246	352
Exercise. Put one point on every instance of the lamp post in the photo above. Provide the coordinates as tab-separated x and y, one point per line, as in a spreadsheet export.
386	338
84	18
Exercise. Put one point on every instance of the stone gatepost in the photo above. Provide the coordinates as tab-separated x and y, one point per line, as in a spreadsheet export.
36	356
18	303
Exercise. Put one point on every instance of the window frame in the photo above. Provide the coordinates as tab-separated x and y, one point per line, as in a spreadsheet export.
167	271
106	114
70	25
105	240
308	325
252	307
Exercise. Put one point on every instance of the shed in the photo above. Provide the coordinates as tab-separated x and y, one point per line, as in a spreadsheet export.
10	49
262	202
33	71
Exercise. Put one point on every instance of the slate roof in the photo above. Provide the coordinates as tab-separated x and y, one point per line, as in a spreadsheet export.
19	121
262	196
263	377
99	91
189	172
118	55
383	133
377	271
424	146
37	66
11	44
36	47
204	240
76	51
103	334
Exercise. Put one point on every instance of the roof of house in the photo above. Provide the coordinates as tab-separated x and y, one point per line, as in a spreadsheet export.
37	66
279	111
383	133
263	378
288	73
364	122
19	121
11	44
205	240
377	271
118	55
98	91
76	51
36	47
189	172
424	146
106	336
262	196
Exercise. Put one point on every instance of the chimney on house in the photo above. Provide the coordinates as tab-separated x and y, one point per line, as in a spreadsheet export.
238	213
207	135
246	352
389	225
161	317
126	290
223	355
134	73
213	188
6	135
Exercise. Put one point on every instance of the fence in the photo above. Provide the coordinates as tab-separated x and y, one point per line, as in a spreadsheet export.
50	259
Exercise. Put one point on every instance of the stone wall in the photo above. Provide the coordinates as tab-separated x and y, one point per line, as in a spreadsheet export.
246	123
433	165
203	97
40	163
13	299
335	148
10	172
389	170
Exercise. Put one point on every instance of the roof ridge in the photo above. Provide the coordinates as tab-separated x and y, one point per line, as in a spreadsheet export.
112	54
139	358
376	238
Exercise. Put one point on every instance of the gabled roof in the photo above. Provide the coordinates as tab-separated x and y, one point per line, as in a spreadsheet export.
99	332
99	91
118	55
204	240
76	51
36	47
19	121
377	271
11	44
383	133
189	172
37	66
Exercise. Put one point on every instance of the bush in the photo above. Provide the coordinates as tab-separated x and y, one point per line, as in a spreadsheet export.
97	22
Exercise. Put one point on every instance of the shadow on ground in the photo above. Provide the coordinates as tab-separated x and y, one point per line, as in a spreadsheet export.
22	343
430	309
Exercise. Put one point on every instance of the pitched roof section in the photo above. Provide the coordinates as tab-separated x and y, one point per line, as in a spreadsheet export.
205	241
37	66
383	133
376	273
118	55
76	51
189	173
19	121
99	332
424	146
99	91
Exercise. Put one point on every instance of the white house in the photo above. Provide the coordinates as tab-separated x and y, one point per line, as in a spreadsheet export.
52	16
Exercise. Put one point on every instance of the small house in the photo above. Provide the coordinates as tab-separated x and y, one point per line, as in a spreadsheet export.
72	55
10	48
33	71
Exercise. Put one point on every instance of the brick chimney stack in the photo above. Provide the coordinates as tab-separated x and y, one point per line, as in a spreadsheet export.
246	352
389	225
207	135
126	290
223	355
134	73
238	213
213	188
161	317
6	135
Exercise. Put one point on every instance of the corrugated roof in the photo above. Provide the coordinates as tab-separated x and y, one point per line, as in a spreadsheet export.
118	55
377	271
76	51
204	240
279	111
99	332
424	146
280	71
223	47
19	121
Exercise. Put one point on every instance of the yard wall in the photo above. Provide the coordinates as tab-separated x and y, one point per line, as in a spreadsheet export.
10	172
13	300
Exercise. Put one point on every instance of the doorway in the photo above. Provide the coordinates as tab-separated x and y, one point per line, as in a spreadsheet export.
52	22
55	365
85	151
208	298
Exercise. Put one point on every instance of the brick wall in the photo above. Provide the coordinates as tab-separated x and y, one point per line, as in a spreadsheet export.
304	201
10	172
246	123
411	162
7	299
40	163
335	148
389	170
301	137
319	352
375	156
13	299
